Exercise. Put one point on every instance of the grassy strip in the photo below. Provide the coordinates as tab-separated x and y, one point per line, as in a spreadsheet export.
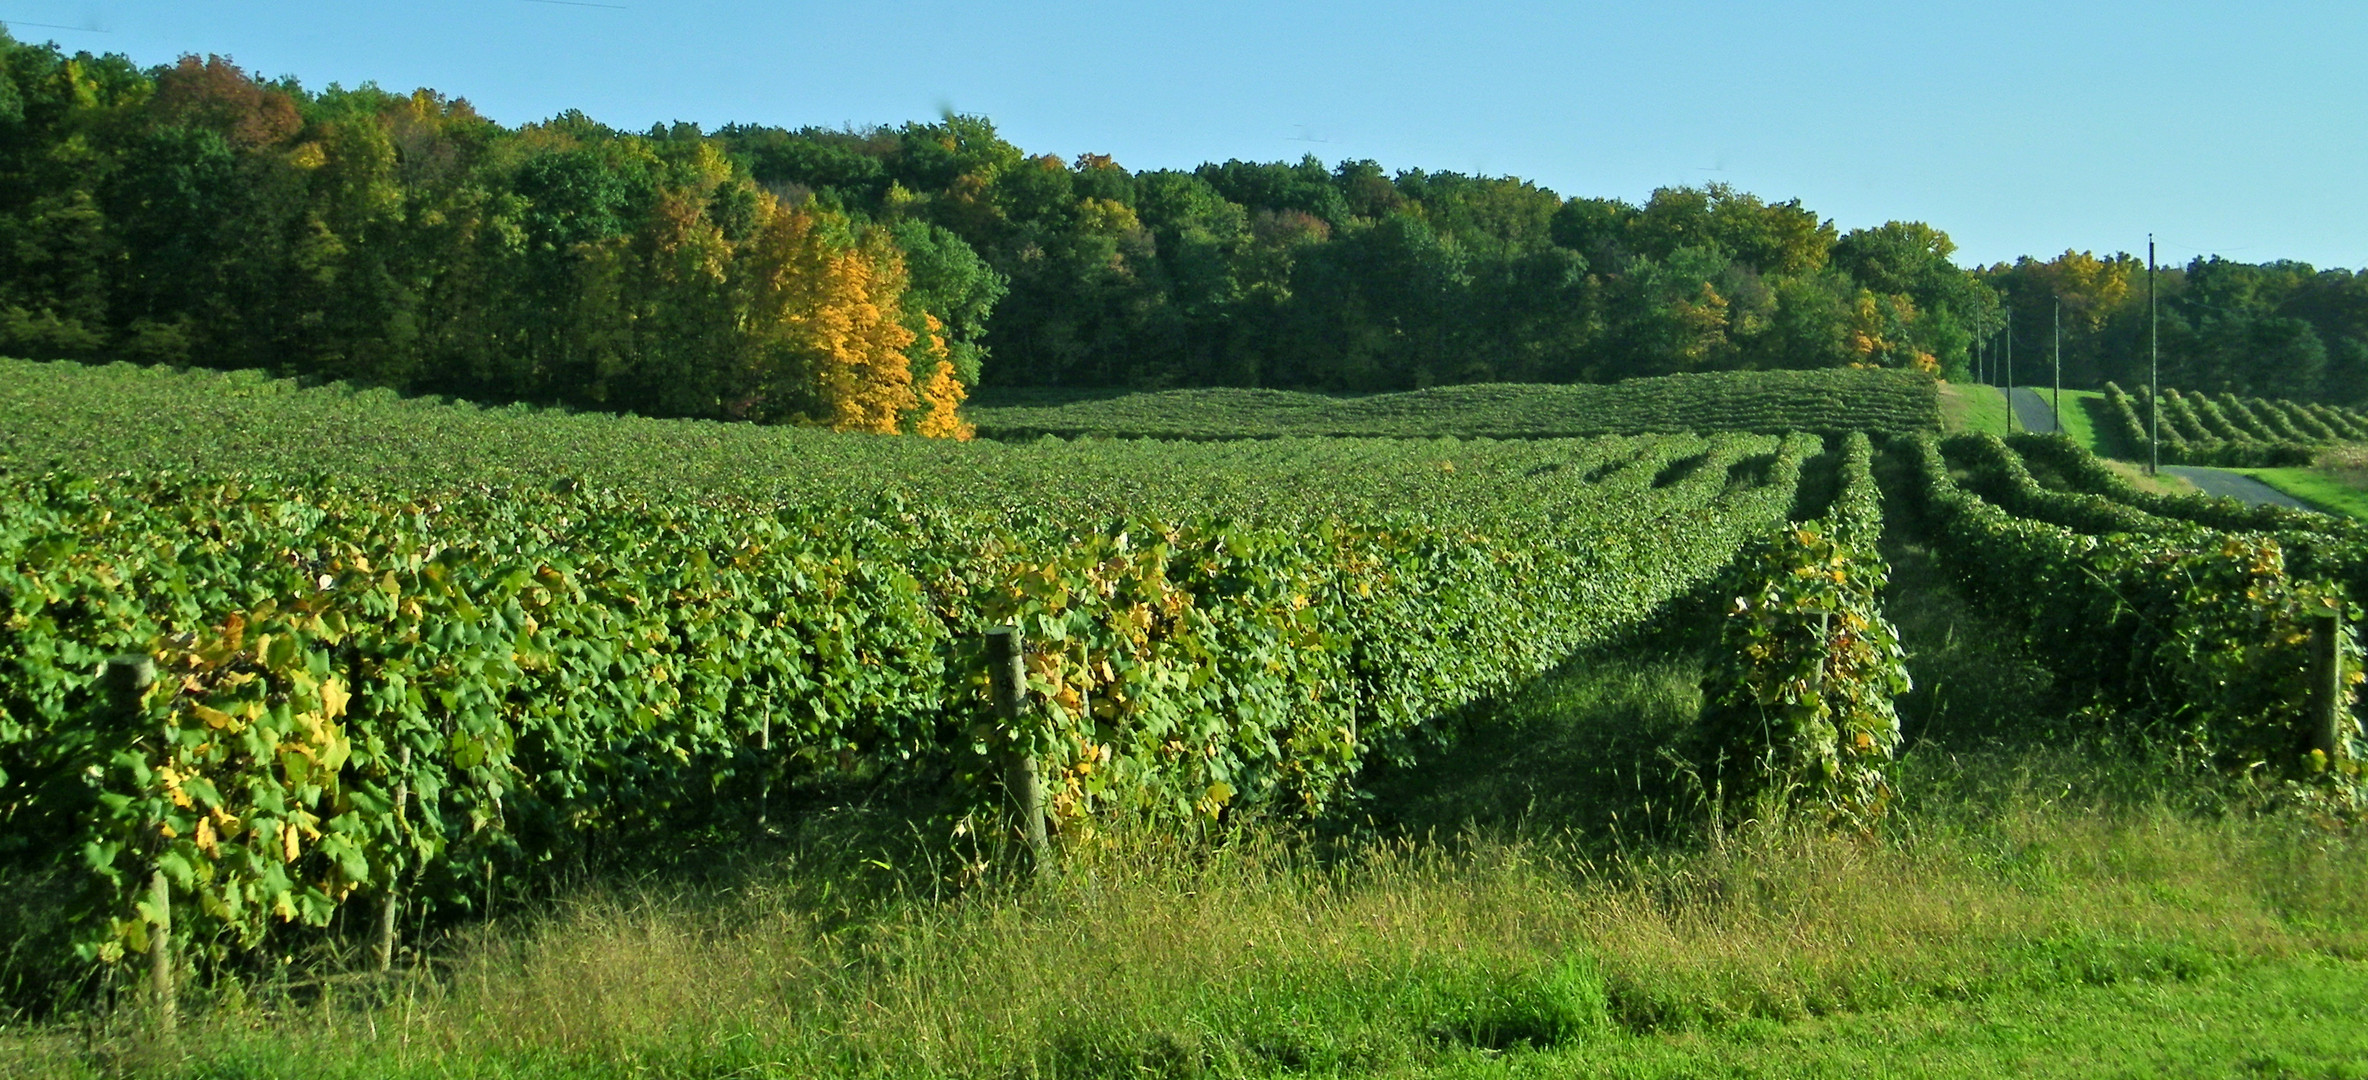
2078	421
2303	1018
2161	483
2315	488
2298	1017
1972	408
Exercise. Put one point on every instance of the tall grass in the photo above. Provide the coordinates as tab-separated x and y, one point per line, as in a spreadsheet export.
1276	953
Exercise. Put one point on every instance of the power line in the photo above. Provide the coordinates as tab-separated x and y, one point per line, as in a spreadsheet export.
54	26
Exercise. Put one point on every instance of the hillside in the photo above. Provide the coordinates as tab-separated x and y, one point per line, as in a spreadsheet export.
1767	402
122	417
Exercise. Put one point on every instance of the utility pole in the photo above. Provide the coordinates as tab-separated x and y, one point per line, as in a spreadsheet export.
2153	366
2059	401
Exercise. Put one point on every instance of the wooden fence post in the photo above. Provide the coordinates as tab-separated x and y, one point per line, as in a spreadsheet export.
125	679
2325	724
764	790
387	904
1023	786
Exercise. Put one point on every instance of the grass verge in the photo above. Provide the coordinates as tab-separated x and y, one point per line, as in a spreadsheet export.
2319	487
2306	1018
2163	482
1972	408
2079	419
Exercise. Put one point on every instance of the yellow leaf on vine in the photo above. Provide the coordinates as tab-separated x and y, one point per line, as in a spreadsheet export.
334	698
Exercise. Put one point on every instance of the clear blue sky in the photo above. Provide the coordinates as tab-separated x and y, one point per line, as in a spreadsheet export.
2018	127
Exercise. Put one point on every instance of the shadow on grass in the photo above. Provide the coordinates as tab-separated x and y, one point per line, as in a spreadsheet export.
1974	684
1591	747
1596	746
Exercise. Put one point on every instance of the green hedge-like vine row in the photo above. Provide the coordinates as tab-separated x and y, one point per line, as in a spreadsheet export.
2323	547
2345	423
2199	628
1997	473
1799	703
547	673
2274	421
2086	473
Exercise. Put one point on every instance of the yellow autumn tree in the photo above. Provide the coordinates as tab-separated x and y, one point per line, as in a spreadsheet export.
1880	331
941	392
825	340
2090	287
866	381
1700	326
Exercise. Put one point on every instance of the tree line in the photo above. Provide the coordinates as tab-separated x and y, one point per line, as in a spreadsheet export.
866	278
2276	329
192	214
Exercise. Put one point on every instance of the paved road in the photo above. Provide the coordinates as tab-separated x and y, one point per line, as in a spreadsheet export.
2237	486
2031	409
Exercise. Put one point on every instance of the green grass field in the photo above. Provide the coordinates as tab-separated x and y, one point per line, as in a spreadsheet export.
1973	408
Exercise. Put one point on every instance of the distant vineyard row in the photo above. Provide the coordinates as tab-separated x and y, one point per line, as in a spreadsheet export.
2199	428
1769	402
91	420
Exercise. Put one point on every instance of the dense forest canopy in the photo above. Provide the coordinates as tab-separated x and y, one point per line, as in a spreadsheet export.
864	278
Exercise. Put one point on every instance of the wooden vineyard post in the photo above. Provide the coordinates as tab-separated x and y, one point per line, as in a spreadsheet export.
2326	683
1023	786
387	904
1825	625
160	953
125	679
